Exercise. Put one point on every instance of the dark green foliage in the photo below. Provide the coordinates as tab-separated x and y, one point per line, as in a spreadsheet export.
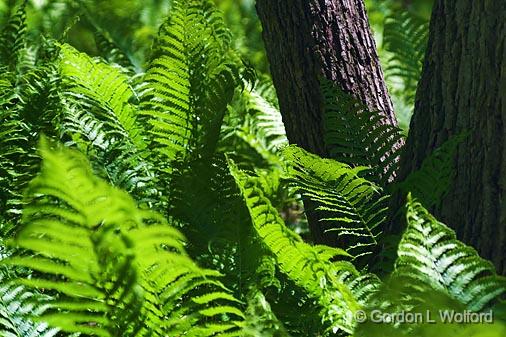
172	213
432	181
405	37
29	103
359	137
12	38
17	305
110	51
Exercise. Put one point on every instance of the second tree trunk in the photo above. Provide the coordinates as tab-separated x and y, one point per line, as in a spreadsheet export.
463	89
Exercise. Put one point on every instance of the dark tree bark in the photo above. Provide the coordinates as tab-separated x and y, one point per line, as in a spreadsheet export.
307	39
463	88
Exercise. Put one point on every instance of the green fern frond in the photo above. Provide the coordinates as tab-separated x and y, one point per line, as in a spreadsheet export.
13	36
17	305
100	118
102	89
309	267
267	122
113	270
435	276
17	156
430	254
28	108
358	137
197	188
111	52
432	181
16	162
254	131
230	244
405	37
347	204
190	81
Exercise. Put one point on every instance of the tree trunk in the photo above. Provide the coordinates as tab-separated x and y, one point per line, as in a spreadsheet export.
463	88
307	39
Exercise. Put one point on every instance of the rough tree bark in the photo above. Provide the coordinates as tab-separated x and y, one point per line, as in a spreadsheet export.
463	88
307	39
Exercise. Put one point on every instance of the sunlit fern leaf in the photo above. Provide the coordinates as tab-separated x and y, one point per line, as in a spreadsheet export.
17	306
426	312
113	270
432	181
189	81
435	276
13	39
102	88
187	299
321	278
405	37
358	137
73	225
430	254
267	122
349	205
266	89
101	120
254	131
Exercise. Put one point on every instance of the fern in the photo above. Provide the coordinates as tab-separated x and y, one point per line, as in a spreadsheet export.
17	305
13	177
432	181
98	110
114	269
13	37
111	52
13	131
28	107
190	81
345	203
91	257
429	253
254	131
230	244
102	89
358	137
405	37
331	284
435	272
